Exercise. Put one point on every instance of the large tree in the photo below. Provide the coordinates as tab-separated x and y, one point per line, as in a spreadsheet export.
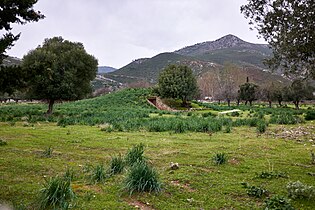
248	92
11	12
298	91
288	26
178	82
59	70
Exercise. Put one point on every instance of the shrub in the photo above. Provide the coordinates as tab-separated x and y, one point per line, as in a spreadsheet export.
310	115
285	118
300	190
135	154
254	191
98	174
142	178
278	203
56	193
220	158
117	165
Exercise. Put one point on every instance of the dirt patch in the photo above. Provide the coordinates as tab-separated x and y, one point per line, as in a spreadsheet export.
234	161
140	205
300	133
185	186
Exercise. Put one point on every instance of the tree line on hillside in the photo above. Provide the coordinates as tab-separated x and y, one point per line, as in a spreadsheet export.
179	82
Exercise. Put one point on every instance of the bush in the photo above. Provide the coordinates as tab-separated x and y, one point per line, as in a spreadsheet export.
98	174
310	115
300	190
56	193
135	154
117	165
254	191
220	158
278	203
285	118
142	178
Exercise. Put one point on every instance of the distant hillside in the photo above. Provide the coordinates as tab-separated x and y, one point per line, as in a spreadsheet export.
229	49
9	61
105	69
148	69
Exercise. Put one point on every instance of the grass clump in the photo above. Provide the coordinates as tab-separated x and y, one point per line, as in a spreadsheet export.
3	142
254	191
117	165
310	115
56	194
98	174
279	203
300	190
312	157
142	178
261	126
48	152
135	154
271	175
220	158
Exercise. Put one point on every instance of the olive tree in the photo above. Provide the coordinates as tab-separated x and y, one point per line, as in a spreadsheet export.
59	70
178	82
288	26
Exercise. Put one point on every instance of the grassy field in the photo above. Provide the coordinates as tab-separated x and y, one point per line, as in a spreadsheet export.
198	183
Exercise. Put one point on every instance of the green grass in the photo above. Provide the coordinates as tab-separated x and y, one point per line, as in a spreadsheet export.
198	183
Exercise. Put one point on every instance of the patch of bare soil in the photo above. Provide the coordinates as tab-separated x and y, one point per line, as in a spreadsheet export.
140	205
300	133
185	186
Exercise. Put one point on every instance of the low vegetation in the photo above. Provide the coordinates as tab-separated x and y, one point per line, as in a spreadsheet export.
122	159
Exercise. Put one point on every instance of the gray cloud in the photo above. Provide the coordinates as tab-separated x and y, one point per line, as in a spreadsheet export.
119	31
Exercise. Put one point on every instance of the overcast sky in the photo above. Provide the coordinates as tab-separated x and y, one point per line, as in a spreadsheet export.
119	31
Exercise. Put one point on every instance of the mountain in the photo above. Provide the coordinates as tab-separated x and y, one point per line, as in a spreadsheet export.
10	61
105	69
201	58
229	49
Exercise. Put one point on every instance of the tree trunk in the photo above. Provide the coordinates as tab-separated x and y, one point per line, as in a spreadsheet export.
280	104
184	104
229	102
219	101
296	103
238	102
50	106
270	104
250	103
246	103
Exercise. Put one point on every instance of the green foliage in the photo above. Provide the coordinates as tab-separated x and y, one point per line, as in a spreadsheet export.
135	154
98	174
59	76
177	82
285	25
298	190
248	92
261	126
219	158
297	91
254	191
12	12
271	175
142	178
285	118
278	203
56	193
69	174
117	165
310	115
